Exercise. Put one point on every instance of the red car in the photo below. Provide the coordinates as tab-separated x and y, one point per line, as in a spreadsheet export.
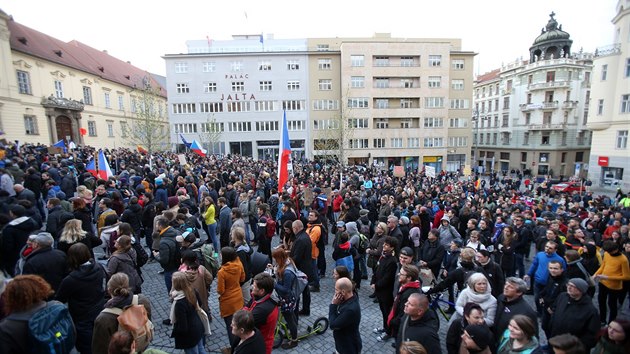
568	187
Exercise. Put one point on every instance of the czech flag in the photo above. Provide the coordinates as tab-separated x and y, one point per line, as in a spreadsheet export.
184	141
61	144
284	155
195	147
101	171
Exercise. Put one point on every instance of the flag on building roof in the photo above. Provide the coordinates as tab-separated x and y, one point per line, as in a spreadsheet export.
284	154
184	141
141	149
195	147
61	144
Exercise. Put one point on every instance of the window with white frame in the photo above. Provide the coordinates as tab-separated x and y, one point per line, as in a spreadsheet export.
357	60
622	139
182	87
209	87
433	142
238	86
91	128
325	84
24	82
293	105
267	126
433	122
406	83
87	95
265	106
357	81
396	142
265	85
110	128
379	143
293	85
526	138
240	126
296	125
604	72
124	129
236	65
381	61
358	143
325	105
435	60
238	106
184	108
209	67
406	61
58	89
358	123
30	125
293	65
406	123
434	102
435	81
185	128
627	69
458	123
211	107
459	103
358	102
381	82
181	67
121	102
382	123
458	64
406	103
264	65
325	124
324	64
133	104
413	143
108	102
212	127
457	84
455	141
625	103
381	103
323	47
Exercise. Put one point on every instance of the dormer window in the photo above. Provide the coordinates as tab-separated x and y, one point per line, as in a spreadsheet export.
22	40
58	52
101	69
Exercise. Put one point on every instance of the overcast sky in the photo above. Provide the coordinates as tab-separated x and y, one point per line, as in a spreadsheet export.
141	31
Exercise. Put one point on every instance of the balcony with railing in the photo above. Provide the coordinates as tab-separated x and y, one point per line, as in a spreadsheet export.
526	107
569	104
611	49
550	105
548	126
548	85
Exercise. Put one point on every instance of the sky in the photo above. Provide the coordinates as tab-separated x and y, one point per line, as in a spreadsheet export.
142	31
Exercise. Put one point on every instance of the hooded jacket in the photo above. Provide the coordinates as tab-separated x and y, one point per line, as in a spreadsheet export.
133	216
244	253
48	263
84	292
448	233
13	238
200	281
229	279
125	262
577	317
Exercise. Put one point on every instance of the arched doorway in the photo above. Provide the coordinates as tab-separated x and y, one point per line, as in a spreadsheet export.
64	128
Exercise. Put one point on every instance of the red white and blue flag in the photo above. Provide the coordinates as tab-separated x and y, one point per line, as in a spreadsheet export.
101	171
285	154
195	147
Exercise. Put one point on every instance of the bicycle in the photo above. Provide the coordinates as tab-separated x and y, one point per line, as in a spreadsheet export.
282	331
436	304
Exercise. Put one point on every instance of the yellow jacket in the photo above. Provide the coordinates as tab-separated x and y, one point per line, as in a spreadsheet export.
616	268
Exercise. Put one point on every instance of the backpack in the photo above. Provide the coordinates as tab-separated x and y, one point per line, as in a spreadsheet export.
364	227
51	329
210	261
134	319
271	228
301	282
364	243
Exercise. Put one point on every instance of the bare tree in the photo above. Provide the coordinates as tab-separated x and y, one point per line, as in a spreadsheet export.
211	132
149	128
333	135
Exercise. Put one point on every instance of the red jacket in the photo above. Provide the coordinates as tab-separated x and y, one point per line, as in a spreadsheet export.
265	311
336	203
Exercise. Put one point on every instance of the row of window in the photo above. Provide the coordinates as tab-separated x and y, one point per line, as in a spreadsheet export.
429	102
182	67
31	127
626	72
219	127
396	143
624	106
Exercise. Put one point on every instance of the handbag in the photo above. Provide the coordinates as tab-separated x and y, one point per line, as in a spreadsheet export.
427	278
203	316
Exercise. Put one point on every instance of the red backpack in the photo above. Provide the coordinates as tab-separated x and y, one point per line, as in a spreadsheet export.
271	228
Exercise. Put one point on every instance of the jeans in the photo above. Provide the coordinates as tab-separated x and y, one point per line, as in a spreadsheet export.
247	236
315	281
228	326
537	289
520	264
363	265
212	236
197	349
168	280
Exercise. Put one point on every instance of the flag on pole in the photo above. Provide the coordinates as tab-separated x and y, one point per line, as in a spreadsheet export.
61	144
262	39
284	154
101	170
91	168
141	149
195	147
184	141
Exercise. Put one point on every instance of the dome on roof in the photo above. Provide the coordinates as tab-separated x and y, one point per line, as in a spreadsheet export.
551	32
552	43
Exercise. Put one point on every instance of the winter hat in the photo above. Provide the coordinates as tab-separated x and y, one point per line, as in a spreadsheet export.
341	223
404	220
445	218
480	334
158	182
580	284
317	190
351	227
364	212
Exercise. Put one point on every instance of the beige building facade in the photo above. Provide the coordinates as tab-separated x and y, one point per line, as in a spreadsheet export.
609	117
52	90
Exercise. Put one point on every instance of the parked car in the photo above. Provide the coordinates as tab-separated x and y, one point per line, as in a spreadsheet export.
568	187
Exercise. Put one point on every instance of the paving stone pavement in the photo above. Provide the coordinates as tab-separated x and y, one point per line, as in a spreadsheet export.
155	289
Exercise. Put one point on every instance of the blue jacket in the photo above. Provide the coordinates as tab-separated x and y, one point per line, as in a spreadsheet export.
539	270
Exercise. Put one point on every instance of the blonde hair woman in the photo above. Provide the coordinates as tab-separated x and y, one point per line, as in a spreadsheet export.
479	292
73	233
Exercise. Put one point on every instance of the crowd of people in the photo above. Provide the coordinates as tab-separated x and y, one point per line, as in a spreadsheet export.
486	242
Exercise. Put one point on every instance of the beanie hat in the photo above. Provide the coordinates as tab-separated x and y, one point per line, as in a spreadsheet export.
364	212
480	334
580	284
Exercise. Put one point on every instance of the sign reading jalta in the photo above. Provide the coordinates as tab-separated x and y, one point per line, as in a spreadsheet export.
237	96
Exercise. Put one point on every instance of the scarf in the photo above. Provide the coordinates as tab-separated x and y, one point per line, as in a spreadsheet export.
411	285
176	295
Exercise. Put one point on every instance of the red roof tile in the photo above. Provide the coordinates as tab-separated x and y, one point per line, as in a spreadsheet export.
79	56
488	76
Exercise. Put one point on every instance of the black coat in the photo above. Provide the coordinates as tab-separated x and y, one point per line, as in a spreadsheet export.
48	263
383	278
252	345
14	332
84	292
507	309
495	276
27	194
85	215
432	253
301	253
579	318
345	319
423	330
133	216
188	328
34	183
13	238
